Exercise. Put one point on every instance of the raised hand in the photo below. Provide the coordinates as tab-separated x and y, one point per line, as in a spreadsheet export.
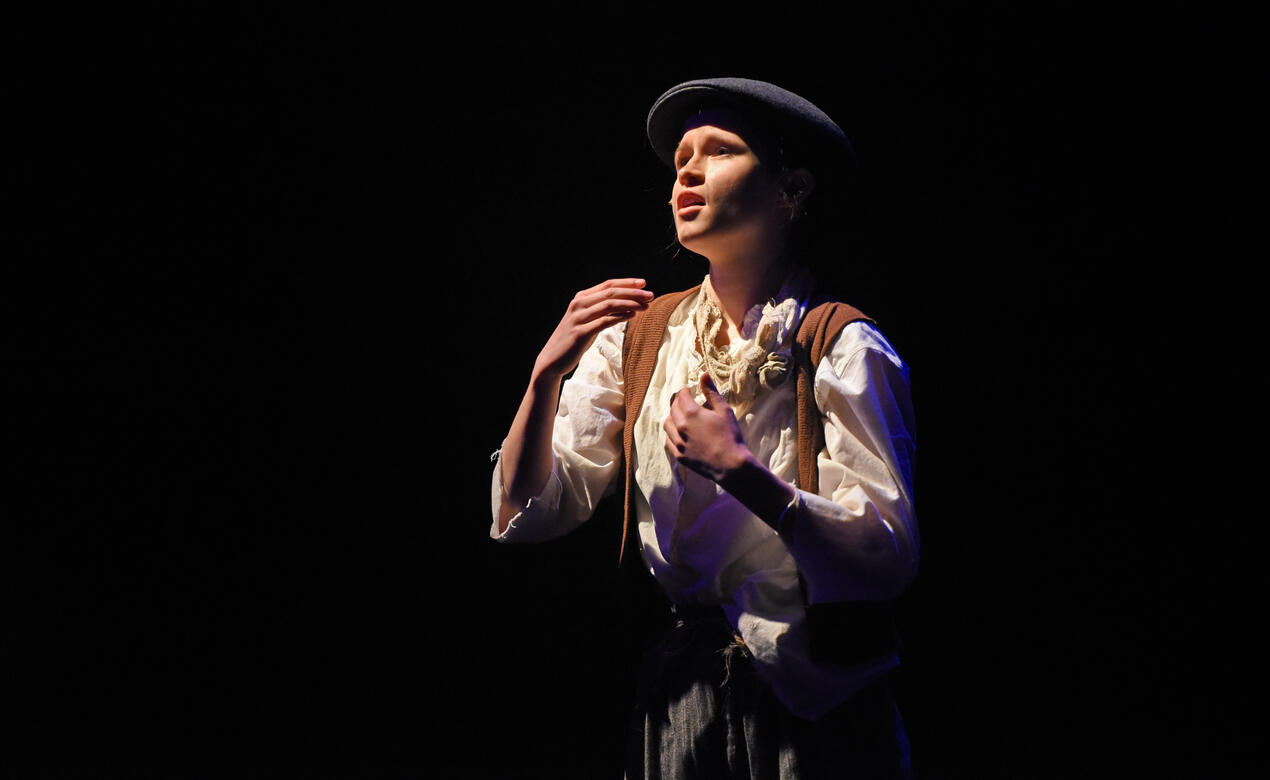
590	312
526	455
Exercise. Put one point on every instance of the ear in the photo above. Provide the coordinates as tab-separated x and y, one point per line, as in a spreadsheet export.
798	185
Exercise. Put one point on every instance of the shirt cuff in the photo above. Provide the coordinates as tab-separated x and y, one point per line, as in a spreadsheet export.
784	523
545	504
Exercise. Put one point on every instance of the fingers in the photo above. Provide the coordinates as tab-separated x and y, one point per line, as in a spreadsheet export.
676	422
610	283
601	316
680	407
594	326
676	444
676	425
607	303
591	311
630	289
617	307
714	399
614	298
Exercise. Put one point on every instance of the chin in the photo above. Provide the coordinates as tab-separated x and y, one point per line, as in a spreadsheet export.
693	248
705	246
691	240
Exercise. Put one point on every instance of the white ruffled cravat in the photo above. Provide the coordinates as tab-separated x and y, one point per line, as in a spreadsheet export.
762	359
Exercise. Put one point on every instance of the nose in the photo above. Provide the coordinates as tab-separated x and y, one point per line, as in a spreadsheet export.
692	172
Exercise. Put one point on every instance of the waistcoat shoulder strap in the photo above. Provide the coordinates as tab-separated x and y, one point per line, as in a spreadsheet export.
642	342
819	328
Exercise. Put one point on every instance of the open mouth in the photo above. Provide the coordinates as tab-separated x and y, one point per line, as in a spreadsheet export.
689	200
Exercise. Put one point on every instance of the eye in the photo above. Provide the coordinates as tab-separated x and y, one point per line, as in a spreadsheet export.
723	150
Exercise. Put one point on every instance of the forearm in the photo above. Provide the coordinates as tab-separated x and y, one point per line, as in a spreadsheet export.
758	489
860	547
858	550
526	455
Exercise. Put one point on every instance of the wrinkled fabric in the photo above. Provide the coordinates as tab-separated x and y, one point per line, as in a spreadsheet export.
702	713
854	540
761	359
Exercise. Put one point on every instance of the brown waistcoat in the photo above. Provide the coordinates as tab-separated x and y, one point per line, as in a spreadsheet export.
642	344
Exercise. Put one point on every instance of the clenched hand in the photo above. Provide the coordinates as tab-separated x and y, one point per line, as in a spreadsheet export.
706	439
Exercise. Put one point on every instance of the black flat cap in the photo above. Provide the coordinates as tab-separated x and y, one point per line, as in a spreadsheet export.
817	137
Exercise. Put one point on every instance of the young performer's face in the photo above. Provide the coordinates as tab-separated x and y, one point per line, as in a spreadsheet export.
723	194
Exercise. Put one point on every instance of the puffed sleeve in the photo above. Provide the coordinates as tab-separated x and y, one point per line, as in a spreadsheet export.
586	445
856	540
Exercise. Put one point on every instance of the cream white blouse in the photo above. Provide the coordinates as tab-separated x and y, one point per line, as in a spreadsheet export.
854	540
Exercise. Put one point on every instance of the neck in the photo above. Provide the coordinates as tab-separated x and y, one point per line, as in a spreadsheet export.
744	281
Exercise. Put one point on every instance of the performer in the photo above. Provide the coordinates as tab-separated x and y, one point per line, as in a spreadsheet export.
746	548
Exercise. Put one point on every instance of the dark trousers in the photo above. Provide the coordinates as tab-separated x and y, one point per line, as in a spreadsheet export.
702	713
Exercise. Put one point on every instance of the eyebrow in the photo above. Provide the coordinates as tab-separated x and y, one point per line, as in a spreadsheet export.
713	132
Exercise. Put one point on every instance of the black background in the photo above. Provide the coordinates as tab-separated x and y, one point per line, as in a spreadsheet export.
279	277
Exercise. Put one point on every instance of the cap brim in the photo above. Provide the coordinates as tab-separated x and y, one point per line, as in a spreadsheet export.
798	120
667	116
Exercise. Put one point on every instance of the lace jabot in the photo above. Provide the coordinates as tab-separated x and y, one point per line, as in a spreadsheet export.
762	359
